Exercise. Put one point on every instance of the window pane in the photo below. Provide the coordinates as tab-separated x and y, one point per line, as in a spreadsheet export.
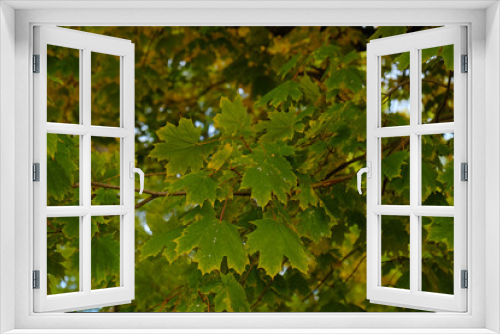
437	254
395	176
395	89
63	255
437	84
105	86
63	171
63	87
105	171
437	169
105	259
395	251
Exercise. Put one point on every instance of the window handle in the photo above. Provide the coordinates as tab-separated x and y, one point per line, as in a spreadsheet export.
368	171
141	175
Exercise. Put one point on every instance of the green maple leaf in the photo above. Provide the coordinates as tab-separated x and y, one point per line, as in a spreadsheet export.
229	294
233	119
314	224
105	258
106	196
325	52
62	166
283	71
270	174
391	165
162	241
181	147
281	126
306	196
310	89
273	240
199	187
213	240
441	229
220	157
288	89
447	176
447	55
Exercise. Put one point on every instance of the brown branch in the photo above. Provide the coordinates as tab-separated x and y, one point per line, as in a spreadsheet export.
355	269
144	202
321	184
443	105
167	299
344	165
262	294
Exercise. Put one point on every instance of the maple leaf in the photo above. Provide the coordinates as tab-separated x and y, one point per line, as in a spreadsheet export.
281	126
199	187
220	157
273	240
306	196
288	89
213	240
270	174
105	257
391	165
230	295
233	119
181	147
314	224
160	242
311	90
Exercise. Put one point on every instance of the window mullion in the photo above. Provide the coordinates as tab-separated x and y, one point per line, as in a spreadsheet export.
414	172
86	170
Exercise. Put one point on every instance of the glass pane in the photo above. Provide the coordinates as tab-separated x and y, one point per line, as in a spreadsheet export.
63	255
63	86
395	176
437	84
105	258
437	254
395	251
105	86
63	171
437	169
395	89
105	171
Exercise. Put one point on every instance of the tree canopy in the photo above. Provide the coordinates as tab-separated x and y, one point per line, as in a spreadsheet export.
250	138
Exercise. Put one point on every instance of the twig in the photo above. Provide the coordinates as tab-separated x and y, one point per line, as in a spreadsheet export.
355	269
321	184
262	294
144	202
330	272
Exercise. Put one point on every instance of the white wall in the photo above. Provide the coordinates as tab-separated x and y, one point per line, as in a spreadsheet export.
7	162
492	150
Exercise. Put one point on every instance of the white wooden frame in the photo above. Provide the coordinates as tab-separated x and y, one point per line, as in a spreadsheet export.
86	43
414	43
482	17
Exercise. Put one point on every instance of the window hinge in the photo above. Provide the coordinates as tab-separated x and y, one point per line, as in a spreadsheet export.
465	64
36	63
36	279
36	172
465	279
464	171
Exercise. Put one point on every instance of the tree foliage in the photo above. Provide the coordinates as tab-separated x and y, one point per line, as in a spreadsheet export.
250	138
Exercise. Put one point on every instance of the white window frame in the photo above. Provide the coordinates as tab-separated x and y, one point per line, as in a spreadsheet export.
483	102
85	43
414	297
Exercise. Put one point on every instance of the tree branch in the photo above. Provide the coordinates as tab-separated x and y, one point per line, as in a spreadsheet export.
330	272
156	194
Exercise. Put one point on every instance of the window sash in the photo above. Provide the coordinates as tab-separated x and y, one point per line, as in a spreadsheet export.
414	297
86	297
